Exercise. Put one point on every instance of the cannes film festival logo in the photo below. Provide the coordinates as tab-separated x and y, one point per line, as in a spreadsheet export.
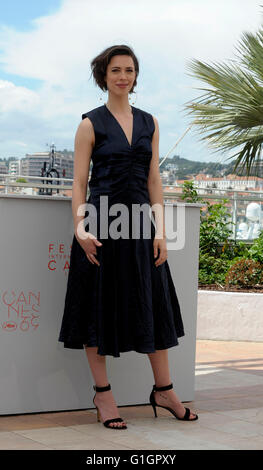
114	222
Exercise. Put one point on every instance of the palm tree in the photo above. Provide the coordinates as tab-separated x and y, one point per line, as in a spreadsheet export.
233	109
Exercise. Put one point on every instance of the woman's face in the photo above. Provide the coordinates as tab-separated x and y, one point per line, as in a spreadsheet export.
120	71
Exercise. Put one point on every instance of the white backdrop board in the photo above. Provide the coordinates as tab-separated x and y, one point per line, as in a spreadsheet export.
36	372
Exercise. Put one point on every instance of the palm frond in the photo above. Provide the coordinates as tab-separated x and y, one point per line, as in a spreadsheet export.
230	112
250	48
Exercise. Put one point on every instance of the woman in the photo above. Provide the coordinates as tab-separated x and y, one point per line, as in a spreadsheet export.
120	294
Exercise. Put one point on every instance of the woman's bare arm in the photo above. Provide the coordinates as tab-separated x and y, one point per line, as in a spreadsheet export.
154	184
83	146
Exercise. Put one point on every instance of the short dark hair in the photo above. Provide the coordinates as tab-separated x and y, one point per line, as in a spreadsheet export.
100	62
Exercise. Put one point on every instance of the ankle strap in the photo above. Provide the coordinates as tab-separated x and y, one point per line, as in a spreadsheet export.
166	387
102	389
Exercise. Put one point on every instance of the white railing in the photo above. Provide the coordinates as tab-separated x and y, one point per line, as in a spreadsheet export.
9	181
248	207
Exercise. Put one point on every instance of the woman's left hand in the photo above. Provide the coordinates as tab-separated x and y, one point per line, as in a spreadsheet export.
160	244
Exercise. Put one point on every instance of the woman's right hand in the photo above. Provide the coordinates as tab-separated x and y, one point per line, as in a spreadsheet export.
89	245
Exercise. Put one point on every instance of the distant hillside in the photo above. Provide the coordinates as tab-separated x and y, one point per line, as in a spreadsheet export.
185	168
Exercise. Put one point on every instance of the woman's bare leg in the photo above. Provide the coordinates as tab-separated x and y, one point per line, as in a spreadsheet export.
160	366
103	400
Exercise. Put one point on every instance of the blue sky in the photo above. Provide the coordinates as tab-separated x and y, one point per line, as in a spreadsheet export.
46	47
19	14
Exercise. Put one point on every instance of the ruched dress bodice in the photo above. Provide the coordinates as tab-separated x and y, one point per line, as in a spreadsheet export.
120	170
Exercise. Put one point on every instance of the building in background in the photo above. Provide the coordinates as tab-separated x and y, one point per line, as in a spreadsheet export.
32	164
14	169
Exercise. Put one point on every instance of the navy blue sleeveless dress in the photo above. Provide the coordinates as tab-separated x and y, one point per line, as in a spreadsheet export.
126	303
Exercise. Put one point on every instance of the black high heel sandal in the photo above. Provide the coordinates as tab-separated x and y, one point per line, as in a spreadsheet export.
154	404
108	421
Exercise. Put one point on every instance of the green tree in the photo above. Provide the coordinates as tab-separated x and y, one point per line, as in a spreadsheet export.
215	227
189	193
21	180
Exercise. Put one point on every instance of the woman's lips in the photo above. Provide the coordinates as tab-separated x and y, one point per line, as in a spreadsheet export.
122	86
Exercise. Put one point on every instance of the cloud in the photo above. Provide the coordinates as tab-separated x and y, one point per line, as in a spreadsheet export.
58	49
16	97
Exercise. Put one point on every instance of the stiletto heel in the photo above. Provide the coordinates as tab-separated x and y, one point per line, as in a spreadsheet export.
154	404
108	421
154	409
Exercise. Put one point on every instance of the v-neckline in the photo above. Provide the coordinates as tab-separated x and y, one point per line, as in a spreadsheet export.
132	108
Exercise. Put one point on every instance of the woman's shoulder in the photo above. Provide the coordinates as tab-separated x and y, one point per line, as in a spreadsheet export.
143	111
93	112
148	116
